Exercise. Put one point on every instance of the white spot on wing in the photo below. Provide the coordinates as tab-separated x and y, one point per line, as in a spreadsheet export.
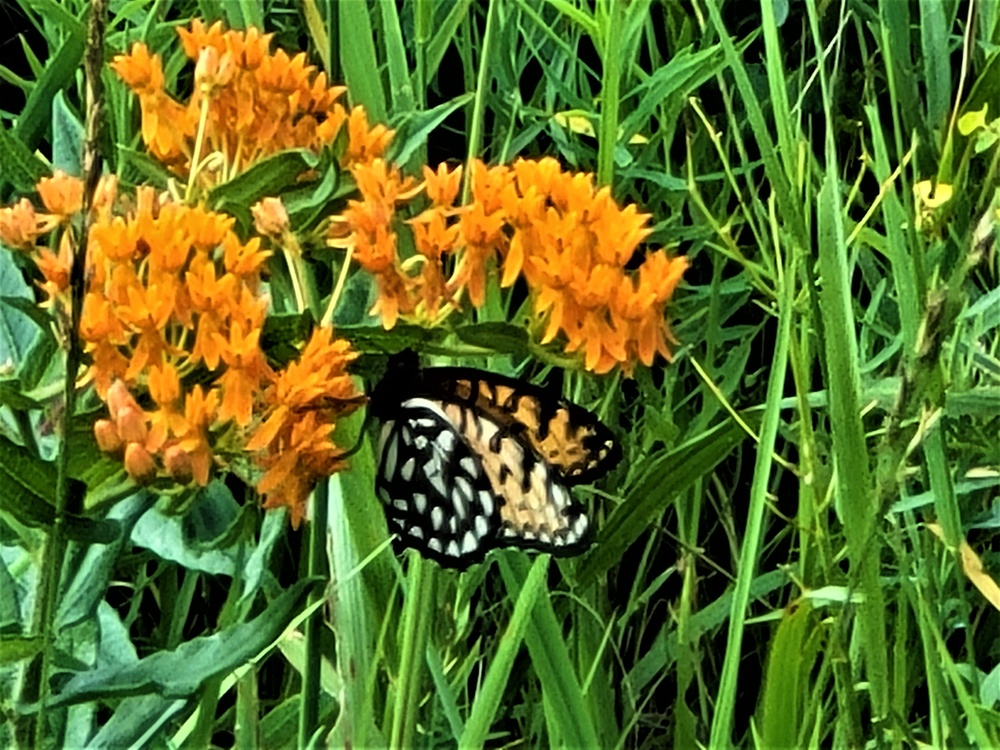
434	544
437	482
462	496
469	543
486	500
468	465
417	532
420	502
420	442
452	548
406	472
437	517
389	457
482	526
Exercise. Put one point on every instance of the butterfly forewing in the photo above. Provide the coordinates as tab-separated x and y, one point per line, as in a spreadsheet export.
567	437
437	496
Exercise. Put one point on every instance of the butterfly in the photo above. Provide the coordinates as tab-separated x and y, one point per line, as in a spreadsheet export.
471	460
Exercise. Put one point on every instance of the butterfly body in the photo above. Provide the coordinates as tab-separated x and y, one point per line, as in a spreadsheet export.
471	460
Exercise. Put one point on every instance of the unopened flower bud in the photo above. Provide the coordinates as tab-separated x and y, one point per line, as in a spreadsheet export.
177	462
108	439
131	423
270	217
138	463
118	398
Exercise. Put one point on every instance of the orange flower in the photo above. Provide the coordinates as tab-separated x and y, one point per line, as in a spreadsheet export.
61	194
364	144
18	225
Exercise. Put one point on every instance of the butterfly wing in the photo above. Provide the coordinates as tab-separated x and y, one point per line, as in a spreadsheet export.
454	487
536	509
567	437
436	494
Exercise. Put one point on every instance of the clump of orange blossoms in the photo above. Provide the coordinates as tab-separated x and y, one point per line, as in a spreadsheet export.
569	241
249	103
173	309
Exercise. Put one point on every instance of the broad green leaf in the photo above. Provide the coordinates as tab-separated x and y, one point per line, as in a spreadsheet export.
180	672
490	695
147	168
550	659
414	131
359	62
67	137
790	668
88	568
169	537
136	721
504	338
28	494
267	178
15	648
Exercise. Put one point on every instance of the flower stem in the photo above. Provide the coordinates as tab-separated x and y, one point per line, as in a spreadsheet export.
44	616
416	629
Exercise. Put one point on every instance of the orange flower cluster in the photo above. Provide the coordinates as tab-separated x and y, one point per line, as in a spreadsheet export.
247	104
569	241
414	288
173	296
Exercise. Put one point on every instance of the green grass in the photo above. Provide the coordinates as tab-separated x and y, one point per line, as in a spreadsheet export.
763	574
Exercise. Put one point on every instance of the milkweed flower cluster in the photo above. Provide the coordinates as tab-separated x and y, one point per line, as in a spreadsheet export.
173	310
569	241
247	103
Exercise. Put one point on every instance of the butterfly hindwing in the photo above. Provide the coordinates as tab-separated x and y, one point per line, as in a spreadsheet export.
536	509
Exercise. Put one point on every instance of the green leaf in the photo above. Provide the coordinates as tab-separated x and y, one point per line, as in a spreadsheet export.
67	137
360	64
490	695
306	205
267	178
179	673
793	651
149	169
504	338
28	494
281	333
415	129
682	74
134	720
377	340
60	71
546	643
88	568
15	648
19	167
665	477
169	538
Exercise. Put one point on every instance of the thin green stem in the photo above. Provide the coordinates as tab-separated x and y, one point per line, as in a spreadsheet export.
416	632
309	711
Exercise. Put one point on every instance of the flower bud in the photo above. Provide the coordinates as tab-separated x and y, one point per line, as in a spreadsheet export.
108	439
138	463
